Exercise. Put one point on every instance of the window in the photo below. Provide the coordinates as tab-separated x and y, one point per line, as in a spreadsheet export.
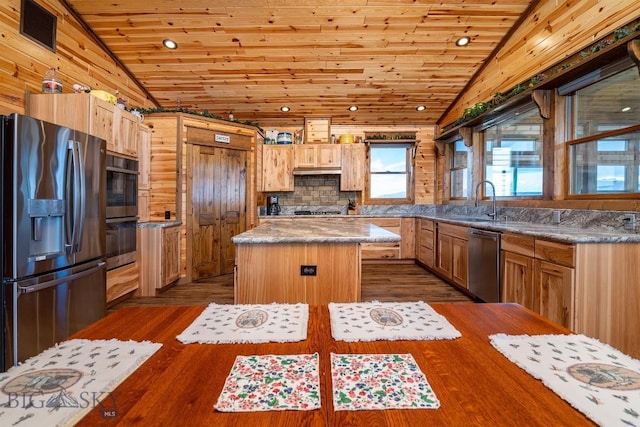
458	171
513	155
607	165
390	173
604	146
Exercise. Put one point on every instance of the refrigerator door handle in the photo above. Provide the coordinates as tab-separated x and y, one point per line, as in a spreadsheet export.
82	196
51	283
75	189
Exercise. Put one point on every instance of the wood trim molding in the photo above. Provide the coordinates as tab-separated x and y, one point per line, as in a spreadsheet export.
467	135
542	99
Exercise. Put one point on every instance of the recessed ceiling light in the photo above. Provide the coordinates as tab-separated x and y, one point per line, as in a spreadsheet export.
353	108
421	108
285	109
625	109
170	44
463	41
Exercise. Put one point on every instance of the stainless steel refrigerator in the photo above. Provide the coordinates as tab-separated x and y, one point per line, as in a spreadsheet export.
52	232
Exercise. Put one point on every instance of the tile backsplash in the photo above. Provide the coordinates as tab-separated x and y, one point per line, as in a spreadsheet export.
315	190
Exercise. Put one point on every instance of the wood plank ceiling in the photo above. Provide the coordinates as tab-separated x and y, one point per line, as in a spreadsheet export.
317	57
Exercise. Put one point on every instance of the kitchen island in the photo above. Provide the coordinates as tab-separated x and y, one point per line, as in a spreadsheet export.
316	262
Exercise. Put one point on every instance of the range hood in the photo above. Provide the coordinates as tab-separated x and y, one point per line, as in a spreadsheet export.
317	171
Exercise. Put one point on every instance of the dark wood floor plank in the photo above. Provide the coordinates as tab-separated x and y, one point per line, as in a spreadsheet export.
380	282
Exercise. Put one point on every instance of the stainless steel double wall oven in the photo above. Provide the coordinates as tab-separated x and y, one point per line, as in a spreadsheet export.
122	210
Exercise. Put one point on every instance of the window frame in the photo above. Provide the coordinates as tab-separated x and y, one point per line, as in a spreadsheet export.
547	152
451	168
569	91
410	150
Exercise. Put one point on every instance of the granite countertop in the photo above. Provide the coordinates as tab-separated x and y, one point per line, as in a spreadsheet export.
564	233
318	231
559	233
159	224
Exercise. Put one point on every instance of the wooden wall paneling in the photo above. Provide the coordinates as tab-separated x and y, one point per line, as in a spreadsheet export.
78	59
162	169
550	33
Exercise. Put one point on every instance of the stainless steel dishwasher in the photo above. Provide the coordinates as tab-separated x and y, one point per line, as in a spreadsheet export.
484	264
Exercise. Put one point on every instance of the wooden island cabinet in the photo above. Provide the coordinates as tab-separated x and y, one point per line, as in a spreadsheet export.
316	264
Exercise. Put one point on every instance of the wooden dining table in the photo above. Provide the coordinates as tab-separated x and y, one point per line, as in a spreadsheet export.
475	384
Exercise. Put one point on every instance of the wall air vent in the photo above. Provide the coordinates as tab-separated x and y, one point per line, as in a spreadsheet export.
38	24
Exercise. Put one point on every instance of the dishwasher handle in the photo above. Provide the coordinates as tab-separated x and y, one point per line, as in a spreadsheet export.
483	234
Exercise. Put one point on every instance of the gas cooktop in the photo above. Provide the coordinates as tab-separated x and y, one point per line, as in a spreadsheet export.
317	213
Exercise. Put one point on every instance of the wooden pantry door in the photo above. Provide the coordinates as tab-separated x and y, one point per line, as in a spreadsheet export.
218	200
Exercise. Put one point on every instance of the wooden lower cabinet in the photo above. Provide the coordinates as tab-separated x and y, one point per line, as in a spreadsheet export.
424	242
451	257
517	257
459	262
121	281
517	280
159	258
555	284
336	278
590	288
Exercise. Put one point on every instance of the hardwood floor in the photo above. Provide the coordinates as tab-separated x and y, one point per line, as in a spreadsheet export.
380	282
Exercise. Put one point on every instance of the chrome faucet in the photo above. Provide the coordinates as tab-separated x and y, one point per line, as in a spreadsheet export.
494	213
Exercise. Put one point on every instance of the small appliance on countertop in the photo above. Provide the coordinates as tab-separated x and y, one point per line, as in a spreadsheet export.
273	208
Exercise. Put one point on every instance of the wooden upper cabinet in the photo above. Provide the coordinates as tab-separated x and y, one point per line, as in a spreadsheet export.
79	111
304	156
317	130
86	113
125	133
353	167
277	168
317	155
329	155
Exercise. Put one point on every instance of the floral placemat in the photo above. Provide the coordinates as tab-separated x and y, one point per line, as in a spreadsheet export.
388	321
271	383
63	383
248	323
379	381
595	378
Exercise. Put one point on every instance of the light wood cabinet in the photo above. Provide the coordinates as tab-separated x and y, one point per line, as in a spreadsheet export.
424	243
86	113
317	130
353	168
590	288
160	259
517	271
539	274
336	279
121	282
460	261
317	156
144	159
451	258
143	205
554	281
555	284
125	133
277	168
404	249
